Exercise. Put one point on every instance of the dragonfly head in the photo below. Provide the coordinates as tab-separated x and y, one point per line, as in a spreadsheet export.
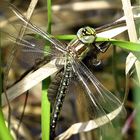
87	35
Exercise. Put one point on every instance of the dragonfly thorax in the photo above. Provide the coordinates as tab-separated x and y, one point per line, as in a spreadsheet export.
78	47
86	34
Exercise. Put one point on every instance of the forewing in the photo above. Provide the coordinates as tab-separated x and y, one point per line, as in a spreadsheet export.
59	45
28	50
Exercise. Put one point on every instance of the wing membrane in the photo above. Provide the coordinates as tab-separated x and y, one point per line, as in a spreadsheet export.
59	45
29	44
100	101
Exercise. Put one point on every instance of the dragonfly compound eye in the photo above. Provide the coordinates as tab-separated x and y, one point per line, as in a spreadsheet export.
86	35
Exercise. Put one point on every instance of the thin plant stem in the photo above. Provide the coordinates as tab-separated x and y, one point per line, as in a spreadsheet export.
45	117
22	115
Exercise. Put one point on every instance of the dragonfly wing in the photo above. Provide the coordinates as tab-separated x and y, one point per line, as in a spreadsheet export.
59	45
99	100
26	53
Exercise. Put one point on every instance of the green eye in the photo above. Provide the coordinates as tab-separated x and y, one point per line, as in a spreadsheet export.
86	35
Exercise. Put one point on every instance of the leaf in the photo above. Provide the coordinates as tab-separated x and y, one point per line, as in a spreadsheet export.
131	46
45	111
45	115
4	132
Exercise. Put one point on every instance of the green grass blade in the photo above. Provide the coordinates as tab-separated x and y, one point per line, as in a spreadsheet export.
65	37
45	111
130	46
4	131
45	104
49	16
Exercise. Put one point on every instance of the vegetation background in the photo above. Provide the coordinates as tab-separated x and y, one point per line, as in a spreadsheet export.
66	18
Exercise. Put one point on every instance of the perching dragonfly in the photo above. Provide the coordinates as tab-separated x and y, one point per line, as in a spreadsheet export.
71	57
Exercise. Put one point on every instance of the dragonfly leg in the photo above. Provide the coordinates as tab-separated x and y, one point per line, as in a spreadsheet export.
103	46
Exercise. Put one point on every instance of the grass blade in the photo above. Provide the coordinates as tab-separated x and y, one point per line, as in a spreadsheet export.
45	112
45	104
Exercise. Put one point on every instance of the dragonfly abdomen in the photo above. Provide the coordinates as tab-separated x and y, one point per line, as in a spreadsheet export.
60	96
53	87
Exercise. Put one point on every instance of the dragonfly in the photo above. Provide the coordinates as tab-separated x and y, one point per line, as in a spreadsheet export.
69	57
